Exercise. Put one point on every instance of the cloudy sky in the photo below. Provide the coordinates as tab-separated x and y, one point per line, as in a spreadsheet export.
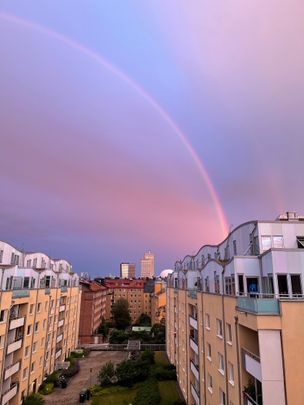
134	125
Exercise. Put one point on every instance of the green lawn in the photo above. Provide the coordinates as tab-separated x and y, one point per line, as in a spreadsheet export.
115	396
161	358
168	392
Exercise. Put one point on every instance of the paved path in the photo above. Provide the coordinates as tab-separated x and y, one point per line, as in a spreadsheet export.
95	360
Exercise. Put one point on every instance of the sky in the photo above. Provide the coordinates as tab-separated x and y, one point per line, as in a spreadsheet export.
128	126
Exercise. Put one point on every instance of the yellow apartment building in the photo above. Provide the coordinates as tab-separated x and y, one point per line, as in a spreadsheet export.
39	319
236	312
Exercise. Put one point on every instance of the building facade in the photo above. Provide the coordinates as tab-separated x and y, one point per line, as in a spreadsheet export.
158	303
130	290
236	313
147	265
39	319
92	310
127	270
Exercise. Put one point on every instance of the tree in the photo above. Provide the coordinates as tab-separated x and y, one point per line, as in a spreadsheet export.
144	320
158	331
103	328
121	313
106	374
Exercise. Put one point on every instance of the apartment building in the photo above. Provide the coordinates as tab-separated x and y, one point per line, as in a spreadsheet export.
131	290
236	312
39	319
127	270
158	302
92	310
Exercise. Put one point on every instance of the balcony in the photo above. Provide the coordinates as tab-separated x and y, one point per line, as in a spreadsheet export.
61	308
258	305
252	364
59	338
195	370
192	293
60	323
47	291
195	395
9	394
16	322
193	322
9	371
64	289
21	293
194	346
14	346
248	400
58	354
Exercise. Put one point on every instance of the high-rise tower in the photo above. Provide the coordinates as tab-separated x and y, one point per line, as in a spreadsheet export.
147	265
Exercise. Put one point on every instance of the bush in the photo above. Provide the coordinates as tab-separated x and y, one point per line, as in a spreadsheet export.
34	399
148	394
180	402
72	370
147	357
162	373
46	388
106	373
118	336
78	355
52	378
131	371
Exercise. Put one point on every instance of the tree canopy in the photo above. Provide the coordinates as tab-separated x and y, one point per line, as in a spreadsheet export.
121	314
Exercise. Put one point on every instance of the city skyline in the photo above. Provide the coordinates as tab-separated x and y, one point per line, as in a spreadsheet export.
134	126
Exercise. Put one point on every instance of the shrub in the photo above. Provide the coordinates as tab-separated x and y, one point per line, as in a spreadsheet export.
72	370
131	371
106	373
46	388
118	336
78	355
52	378
34	399
147	356
164	372
148	394
180	402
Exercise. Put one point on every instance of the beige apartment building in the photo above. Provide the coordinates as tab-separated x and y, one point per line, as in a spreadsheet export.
236	311
39	319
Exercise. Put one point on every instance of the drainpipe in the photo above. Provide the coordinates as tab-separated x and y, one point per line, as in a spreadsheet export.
236	322
224	336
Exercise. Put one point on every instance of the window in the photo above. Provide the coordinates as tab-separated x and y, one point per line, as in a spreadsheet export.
2	315
234	248
26	351
209	351
32	366
222	397
229	333
42	341
207	289
35	263
26	282
210	383
40	361
44	323
31	309
207	318
38	307
296	286
241	284
230	373
266	243
219	328
300	242
36	326
1	341
29	329
24	373
1	255
221	365
216	283
229	285
278	241
34	347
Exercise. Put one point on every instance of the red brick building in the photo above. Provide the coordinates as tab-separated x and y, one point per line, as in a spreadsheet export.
92	310
131	290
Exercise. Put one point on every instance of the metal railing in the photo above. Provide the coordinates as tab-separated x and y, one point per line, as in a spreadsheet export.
250	354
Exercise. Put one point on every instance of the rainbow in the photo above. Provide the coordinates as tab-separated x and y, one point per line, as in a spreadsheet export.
142	92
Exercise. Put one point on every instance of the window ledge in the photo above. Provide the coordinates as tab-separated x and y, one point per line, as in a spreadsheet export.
220	336
229	343
210	390
207	327
221	371
231	383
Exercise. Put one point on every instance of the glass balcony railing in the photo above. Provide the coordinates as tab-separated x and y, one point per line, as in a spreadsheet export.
258	305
